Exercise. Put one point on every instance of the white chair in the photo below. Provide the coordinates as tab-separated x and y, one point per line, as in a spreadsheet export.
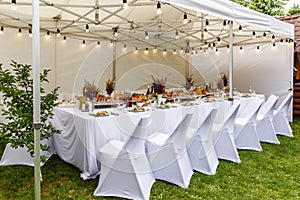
200	146
245	132
281	119
125	170
168	156
225	145
264	121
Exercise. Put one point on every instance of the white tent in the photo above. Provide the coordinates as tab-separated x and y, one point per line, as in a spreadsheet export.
139	27
207	25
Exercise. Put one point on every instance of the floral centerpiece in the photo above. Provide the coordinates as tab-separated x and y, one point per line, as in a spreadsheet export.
90	90
189	82
159	84
110	86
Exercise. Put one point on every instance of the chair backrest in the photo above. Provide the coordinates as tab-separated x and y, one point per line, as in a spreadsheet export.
285	104
204	130
136	143
179	134
250	111
230	117
267	109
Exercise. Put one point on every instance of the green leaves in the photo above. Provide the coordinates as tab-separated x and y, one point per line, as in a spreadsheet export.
269	7
16	86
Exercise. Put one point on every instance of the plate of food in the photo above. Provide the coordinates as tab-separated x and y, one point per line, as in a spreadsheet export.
187	103
103	113
164	106
138	109
246	95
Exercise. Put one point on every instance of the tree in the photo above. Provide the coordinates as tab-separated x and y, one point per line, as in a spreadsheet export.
294	10
269	7
16	86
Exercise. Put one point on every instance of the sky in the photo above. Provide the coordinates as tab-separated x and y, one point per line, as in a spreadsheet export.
291	3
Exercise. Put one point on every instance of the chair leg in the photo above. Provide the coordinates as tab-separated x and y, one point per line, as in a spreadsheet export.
226	149
248	139
266	132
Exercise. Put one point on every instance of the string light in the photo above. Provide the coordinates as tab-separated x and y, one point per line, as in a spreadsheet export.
2	30
87	28
83	42
136	50
158	8
58	32
253	35
30	33
98	43
146	35
13	5
165	51
241	48
48	34
176	35
65	38
274	45
20	32
219	40
115	32
207	23
264	35
181	50
281	41
224	24
125	46
155	49
240	29
125	5
273	38
185	20
146	50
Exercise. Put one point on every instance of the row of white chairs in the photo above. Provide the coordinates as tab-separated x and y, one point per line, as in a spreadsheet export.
129	169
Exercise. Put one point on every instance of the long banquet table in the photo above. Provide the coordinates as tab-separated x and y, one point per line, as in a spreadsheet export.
83	135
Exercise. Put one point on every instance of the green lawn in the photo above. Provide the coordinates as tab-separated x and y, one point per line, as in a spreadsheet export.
273	173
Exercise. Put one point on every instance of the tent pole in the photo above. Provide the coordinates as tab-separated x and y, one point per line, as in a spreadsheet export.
231	60
36	96
114	60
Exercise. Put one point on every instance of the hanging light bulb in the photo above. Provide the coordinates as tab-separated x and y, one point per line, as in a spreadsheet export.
240	29
146	50
176	35
98	43
136	50
185	20
214	45
273	38
224	24
264	35
83	42
219	40
209	46
115	34
20	32
241	48
253	35
158	8
165	51
205	44
281	41
207	23
2	30
155	49
65	39
274	45
87	28
257	48
125	46
58	32
30	33
146	35
13	5
181	50
125	5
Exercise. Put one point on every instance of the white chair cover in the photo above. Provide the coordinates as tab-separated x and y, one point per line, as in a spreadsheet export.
225	145
21	156
125	170
281	117
264	121
201	148
245	128
168	156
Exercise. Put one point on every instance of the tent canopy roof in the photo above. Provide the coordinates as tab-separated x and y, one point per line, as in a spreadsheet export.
207	22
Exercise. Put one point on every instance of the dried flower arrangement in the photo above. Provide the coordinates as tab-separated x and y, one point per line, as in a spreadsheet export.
189	82
90	90
110	86
159	84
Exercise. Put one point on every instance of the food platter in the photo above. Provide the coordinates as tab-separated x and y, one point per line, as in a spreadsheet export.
102	113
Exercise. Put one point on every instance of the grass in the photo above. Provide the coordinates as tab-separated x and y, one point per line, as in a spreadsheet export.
273	173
